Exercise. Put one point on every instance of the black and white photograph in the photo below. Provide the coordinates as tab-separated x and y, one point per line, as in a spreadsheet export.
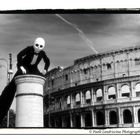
70	71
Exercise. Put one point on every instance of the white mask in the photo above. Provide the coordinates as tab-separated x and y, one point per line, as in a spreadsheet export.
39	44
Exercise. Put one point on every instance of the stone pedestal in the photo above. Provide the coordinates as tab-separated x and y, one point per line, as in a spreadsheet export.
29	101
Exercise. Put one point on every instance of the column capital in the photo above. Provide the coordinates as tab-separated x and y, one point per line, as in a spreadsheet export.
30	78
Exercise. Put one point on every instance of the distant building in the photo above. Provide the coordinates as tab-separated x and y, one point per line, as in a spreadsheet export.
101	90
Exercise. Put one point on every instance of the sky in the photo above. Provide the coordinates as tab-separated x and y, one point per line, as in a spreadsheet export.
64	43
68	36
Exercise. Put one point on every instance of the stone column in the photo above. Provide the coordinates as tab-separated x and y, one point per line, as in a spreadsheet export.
82	120
135	117
29	101
63	121
92	98
71	120
132	89
118	91
120	119
105	94
93	120
81	98
71	101
106	118
114	65
128	67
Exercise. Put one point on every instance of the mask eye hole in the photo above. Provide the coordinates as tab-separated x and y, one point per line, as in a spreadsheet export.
36	45
41	46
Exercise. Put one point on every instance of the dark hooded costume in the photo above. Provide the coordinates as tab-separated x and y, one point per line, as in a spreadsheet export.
26	59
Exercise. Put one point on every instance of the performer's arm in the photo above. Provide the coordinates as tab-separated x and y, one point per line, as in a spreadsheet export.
20	56
46	60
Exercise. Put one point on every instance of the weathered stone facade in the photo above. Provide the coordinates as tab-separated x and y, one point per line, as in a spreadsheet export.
100	90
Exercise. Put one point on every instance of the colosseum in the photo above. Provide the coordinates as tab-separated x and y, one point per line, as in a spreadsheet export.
100	90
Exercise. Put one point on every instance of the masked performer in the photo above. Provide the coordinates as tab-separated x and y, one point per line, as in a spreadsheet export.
27	63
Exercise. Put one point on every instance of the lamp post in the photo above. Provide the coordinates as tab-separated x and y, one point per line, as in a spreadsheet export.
9	75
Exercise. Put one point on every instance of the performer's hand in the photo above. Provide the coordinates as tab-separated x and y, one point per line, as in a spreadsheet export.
44	72
23	70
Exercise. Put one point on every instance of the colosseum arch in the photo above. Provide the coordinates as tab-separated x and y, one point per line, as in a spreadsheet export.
52	120
137	61
88	119
58	121
111	93
100	118
125	91
77	99
77	121
58	103
137	90
88	97
95	66
103	65
113	118
99	95
117	61
139	115
68	101
127	116
109	66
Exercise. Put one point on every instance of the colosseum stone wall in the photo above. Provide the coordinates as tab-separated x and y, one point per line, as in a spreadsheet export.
101	90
